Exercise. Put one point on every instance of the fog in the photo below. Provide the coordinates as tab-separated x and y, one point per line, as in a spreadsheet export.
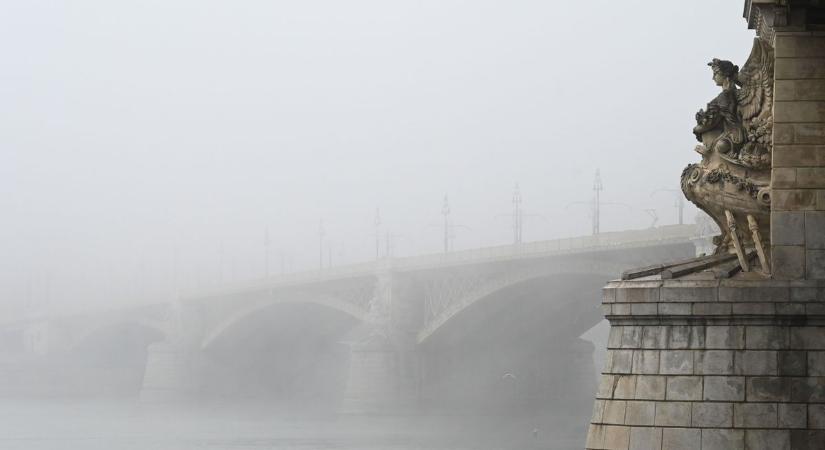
153	150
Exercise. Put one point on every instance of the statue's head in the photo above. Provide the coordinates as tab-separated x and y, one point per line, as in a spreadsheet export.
723	71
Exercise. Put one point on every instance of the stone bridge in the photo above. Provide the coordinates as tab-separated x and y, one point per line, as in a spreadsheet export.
390	333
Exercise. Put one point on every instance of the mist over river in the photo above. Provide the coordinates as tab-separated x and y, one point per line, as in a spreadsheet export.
109	425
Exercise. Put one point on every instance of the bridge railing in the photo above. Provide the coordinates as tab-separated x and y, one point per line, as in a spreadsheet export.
603	241
634	238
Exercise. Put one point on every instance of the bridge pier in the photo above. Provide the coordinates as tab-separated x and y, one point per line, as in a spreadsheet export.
165	378
373	382
383	376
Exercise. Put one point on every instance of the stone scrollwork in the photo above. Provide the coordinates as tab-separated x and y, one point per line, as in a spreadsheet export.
734	132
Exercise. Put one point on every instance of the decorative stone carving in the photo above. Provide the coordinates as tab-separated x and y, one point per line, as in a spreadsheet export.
734	132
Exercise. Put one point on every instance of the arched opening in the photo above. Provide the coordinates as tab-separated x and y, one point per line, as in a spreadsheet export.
285	355
516	351
107	362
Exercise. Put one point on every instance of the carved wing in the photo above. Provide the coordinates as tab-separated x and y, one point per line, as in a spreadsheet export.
755	98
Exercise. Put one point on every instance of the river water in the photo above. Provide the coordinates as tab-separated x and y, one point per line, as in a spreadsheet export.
85	425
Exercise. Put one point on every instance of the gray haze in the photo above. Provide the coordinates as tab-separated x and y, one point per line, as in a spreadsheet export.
147	146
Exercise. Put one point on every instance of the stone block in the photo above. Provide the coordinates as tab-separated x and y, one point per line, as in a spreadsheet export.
724	388
811	338
815	264
681	439
640	413
621	309
792	363
637	295
674	309
734	290
645	438
614	412
644	309
595	437
609	293
754	309
672	414
605	389
625	387
808	133
790	46
814	111
793	199
787	90
788	228
788	262
816	364
684	336
650	387
684	388
631	337
712	309
689	294
810	177
784	133
755	362
714	362
766	338
714	439
755	415
712	415
798	156
654	336
616	437
676	362
783	177
725	337
790	309
815	309
614	339
768	389
621	361
792	415
646	362
816	417
768	440
598	411
807	439
808	390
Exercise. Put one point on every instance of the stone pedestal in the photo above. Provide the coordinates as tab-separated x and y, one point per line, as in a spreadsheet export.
164	379
713	365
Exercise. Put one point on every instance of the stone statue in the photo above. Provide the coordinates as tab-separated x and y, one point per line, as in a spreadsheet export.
732	182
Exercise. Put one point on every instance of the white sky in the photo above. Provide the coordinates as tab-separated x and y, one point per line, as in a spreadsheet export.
138	138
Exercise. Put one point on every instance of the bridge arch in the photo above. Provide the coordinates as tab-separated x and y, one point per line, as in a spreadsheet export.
328	301
453	307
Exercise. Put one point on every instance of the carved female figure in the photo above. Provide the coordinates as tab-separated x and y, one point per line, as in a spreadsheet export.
721	114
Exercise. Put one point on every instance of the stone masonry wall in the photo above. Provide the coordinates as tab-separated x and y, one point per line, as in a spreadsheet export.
798	176
712	365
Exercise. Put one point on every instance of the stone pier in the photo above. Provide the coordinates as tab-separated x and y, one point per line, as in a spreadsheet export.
728	352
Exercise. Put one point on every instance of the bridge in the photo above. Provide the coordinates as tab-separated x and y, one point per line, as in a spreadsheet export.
386	334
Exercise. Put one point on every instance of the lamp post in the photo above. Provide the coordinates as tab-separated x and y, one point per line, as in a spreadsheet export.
517	216
377	233
321	244
597	189
445	211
